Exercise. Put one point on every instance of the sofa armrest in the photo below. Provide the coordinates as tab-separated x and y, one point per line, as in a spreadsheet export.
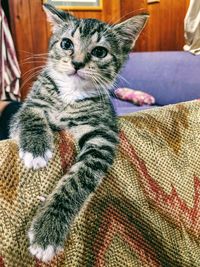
146	212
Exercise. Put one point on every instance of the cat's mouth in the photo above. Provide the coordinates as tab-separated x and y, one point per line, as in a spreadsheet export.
77	74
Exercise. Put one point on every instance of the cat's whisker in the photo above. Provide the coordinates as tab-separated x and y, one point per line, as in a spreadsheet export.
38	56
33	70
35	57
115	74
108	92
105	79
98	90
30	77
102	71
41	54
30	53
26	81
103	86
96	83
33	62
121	78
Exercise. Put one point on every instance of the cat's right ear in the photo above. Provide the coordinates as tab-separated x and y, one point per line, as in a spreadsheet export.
56	17
130	29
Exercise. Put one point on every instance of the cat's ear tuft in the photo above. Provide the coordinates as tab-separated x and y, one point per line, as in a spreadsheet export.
57	17
130	29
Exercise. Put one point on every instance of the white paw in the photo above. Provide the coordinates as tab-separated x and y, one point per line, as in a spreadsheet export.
37	251
44	255
35	163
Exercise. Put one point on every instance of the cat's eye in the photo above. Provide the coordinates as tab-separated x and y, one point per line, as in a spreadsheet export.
99	52
66	44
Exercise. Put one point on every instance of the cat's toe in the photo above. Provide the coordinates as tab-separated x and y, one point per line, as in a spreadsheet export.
44	255
149	100
48	155
35	163
46	236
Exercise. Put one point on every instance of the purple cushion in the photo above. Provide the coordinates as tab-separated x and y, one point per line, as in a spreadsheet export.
124	107
170	77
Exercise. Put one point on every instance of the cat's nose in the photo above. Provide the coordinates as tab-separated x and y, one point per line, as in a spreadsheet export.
78	65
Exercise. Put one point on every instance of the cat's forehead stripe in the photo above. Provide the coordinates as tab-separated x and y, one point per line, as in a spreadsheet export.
75	28
83	29
95	37
90	27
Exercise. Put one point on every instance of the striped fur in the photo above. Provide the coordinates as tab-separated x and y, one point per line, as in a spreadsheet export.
71	93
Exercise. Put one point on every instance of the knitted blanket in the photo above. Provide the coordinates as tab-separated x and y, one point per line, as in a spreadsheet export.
146	212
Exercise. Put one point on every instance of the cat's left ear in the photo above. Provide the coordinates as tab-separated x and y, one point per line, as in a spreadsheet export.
57	17
130	29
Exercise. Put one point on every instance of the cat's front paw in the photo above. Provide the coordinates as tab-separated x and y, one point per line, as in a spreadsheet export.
32	162
46	236
45	255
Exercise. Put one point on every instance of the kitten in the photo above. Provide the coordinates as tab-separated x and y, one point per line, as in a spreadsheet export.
70	93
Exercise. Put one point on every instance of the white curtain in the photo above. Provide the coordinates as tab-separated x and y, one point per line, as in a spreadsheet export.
9	68
192	28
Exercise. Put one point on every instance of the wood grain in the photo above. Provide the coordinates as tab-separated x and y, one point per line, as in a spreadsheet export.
22	34
165	29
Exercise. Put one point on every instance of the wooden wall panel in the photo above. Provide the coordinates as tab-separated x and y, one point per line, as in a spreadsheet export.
38	27
110	13
21	29
165	29
30	30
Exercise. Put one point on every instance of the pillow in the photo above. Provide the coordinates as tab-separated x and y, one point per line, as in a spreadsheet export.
135	96
171	77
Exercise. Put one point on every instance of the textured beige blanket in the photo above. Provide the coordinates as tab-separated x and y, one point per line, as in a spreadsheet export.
146	211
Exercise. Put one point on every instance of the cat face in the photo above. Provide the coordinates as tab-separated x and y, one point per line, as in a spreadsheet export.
85	51
89	51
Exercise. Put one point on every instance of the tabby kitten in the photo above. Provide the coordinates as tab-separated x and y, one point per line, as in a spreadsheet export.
70	93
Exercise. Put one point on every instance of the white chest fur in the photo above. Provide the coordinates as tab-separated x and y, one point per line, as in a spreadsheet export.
72	88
